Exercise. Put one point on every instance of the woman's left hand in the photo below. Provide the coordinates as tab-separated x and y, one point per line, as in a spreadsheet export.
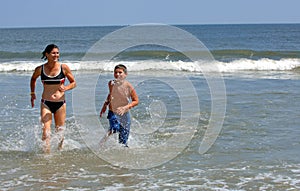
62	88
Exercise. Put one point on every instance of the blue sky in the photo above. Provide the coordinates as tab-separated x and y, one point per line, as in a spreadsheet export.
37	13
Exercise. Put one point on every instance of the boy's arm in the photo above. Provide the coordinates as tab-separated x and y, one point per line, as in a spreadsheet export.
105	104
107	101
134	99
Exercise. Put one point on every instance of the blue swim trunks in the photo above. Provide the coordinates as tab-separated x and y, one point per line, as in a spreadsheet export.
121	124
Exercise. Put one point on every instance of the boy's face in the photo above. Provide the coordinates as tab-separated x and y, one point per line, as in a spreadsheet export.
119	74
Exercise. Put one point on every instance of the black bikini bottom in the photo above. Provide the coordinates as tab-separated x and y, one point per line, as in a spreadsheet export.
53	106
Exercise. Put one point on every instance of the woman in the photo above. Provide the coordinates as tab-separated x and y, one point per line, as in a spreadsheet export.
53	75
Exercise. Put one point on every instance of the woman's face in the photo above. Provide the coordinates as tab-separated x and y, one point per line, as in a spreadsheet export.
53	55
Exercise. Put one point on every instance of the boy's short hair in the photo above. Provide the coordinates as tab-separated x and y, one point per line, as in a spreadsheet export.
121	66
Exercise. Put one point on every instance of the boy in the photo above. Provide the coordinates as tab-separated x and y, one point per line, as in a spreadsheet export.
120	92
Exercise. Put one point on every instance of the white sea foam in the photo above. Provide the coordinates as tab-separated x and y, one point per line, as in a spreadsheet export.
259	65
197	66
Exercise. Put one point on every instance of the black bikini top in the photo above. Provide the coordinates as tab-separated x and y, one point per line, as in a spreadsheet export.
58	79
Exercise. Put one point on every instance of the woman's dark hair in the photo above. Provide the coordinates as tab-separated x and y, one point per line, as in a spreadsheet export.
48	49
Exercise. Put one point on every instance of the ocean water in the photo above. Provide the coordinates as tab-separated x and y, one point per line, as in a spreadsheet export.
247	85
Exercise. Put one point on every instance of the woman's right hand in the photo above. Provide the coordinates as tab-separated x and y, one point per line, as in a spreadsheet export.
33	97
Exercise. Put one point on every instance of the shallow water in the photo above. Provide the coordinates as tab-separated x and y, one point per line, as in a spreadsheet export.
257	149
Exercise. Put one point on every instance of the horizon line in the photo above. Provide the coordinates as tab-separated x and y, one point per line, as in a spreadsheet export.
122	25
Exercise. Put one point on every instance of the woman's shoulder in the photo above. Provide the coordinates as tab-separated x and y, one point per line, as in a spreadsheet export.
66	69
64	66
38	68
37	71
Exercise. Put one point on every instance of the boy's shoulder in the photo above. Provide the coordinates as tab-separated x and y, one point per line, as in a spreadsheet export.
114	82
127	83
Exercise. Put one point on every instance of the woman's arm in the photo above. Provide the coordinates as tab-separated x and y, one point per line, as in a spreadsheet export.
69	75
35	75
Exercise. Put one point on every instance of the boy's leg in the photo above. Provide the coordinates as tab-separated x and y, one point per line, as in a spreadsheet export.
104	139
114	126
124	128
114	122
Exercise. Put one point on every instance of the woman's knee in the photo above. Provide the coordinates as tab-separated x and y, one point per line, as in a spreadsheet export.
46	133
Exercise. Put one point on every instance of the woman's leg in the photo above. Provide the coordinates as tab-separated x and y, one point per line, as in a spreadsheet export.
46	119
60	118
